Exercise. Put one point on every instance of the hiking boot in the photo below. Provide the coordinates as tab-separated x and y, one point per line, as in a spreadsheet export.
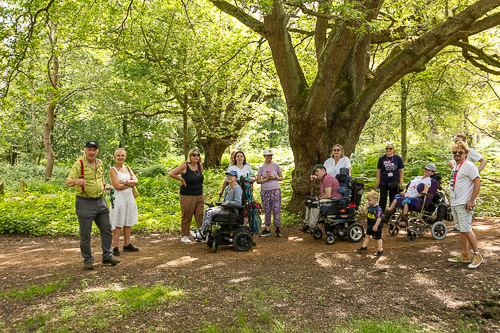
477	259
403	222
116	252
111	260
378	253
464	257
130	248
388	213
185	239
361	249
265	233
278	232
304	228
89	266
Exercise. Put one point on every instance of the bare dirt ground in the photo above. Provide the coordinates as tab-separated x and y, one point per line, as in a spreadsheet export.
297	280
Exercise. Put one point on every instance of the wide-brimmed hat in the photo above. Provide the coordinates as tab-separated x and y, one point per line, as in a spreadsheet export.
267	152
430	166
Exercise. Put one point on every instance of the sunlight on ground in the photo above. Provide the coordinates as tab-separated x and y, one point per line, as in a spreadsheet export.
327	259
113	286
210	266
432	249
241	279
74	249
178	262
482	227
295	239
489	245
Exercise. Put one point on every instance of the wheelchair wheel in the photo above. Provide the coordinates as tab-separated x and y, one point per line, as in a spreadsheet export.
317	234
411	236
393	229
439	230
214	246
330	239
243	241
355	232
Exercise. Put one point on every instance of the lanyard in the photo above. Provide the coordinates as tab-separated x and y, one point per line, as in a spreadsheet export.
455	172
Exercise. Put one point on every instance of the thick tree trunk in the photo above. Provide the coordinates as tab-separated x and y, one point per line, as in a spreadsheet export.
49	124
213	149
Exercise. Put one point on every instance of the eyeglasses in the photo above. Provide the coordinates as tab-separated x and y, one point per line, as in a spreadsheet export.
195	155
389	148
336	149
461	152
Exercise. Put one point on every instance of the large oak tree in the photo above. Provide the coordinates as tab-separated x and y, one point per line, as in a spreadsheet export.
330	101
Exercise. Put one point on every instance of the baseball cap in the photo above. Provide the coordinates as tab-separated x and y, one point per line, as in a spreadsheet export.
319	166
267	152
431	167
232	172
92	144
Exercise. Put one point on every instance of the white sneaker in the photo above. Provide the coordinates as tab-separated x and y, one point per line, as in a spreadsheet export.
185	239
193	233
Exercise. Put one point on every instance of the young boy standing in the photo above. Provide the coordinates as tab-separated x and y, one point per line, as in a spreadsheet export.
373	213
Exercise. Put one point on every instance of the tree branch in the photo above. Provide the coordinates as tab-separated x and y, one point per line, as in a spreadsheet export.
479	128
240	15
481	55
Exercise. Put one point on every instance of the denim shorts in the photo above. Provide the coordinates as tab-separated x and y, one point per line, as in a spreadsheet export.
463	217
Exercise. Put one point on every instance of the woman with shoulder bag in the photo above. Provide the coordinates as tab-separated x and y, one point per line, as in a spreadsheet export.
124	212
390	174
190	174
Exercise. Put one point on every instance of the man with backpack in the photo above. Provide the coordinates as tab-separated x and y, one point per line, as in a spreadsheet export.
87	173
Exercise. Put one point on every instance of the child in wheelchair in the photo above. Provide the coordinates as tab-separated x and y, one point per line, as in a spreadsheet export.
430	208
232	197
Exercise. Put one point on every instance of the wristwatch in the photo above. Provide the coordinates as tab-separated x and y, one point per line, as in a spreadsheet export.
126	183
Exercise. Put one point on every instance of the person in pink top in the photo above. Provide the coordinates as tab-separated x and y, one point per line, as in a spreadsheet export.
329	187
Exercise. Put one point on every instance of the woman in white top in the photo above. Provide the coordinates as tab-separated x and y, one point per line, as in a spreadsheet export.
337	161
124	214
241	166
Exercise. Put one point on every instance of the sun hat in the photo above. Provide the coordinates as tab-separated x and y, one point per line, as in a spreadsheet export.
267	152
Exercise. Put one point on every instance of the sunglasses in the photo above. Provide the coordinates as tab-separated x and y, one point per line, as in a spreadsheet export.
336	150
196	155
461	152
389	148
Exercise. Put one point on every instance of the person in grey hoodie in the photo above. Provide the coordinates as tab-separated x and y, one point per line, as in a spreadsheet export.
232	197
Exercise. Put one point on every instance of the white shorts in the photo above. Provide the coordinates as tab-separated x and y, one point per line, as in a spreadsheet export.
462	217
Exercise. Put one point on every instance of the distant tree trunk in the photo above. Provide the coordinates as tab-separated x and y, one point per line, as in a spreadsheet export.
214	148
49	124
404	114
124	136
185	132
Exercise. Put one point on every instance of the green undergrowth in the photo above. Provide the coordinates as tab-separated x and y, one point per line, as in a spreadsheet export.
47	208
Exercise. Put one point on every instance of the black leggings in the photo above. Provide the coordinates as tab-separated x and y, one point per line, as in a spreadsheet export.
384	189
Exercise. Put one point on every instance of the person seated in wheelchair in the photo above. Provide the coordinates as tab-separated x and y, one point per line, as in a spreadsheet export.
411	198
329	187
232	197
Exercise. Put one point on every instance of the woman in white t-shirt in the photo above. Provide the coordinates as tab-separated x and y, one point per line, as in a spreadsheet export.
241	166
337	161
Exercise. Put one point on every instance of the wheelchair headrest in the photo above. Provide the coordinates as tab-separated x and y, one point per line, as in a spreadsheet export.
437	177
344	171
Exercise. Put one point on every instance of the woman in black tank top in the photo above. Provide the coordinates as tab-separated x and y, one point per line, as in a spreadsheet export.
190	174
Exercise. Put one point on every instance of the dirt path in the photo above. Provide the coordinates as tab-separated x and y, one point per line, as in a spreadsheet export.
299	280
